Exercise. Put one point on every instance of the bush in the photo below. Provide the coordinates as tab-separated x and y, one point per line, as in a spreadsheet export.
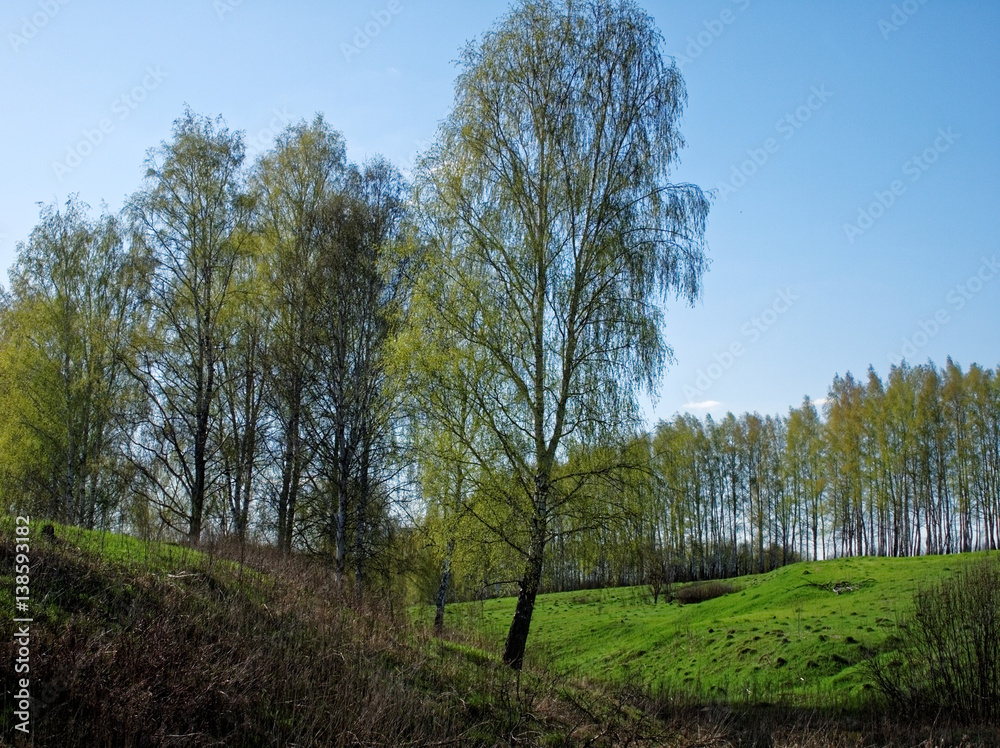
696	593
949	655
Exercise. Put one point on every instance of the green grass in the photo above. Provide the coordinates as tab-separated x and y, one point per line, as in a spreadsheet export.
784	637
132	560
123	551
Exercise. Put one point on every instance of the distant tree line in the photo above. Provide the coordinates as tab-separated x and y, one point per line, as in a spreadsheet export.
900	467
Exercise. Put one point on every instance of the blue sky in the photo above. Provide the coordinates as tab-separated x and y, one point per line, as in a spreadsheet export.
853	148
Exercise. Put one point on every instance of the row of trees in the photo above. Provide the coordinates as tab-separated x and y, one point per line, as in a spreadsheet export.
214	355
267	364
899	467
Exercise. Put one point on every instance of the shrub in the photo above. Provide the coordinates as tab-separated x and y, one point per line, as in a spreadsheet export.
949	654
658	579
696	593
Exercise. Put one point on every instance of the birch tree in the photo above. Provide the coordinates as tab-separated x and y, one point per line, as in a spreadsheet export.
68	323
192	217
294	183
555	232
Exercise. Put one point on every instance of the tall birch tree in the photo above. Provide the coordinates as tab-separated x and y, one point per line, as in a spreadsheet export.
555	233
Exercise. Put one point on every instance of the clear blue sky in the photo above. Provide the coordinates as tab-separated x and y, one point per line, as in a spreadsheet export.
808	119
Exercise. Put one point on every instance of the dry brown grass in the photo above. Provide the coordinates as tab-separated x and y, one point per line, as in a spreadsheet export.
209	654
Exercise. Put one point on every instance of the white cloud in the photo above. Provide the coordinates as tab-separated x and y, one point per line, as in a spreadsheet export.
703	405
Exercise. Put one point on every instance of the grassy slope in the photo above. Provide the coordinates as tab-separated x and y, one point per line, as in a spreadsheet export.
154	644
157	645
783	636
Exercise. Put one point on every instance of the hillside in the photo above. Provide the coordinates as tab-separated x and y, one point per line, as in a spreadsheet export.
153	644
796	635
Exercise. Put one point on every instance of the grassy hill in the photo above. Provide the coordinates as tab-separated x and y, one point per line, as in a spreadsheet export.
796	635
153	644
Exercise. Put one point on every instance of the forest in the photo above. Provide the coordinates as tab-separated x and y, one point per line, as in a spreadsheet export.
433	383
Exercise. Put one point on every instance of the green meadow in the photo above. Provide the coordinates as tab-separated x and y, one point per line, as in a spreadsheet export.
797	635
